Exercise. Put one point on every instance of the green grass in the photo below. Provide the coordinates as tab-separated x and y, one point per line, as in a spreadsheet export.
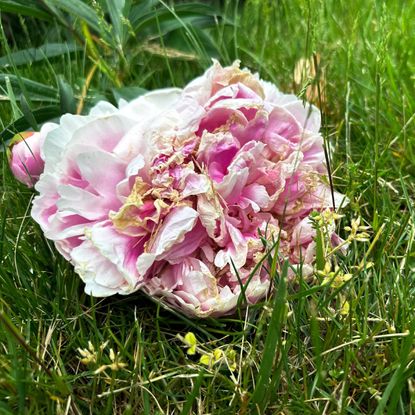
295	353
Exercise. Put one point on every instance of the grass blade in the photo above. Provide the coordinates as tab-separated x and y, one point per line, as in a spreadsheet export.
187	407
22	124
272	341
396	383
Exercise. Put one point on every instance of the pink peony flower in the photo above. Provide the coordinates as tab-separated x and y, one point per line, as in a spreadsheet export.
25	158
181	193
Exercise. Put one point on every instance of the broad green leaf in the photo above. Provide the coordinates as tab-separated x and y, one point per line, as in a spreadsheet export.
67	99
27	113
186	12
178	40
193	21
138	11
116	11
78	9
36	90
33	98
24	7
48	50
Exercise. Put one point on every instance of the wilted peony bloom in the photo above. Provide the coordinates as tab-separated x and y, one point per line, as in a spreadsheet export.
26	162
181	193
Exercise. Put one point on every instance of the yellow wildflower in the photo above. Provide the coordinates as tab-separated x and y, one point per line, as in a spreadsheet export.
190	340
206	359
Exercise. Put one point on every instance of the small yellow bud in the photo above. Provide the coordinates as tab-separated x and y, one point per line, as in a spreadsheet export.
344	311
217	354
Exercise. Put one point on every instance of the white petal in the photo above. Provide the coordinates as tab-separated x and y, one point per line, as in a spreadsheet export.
81	202
56	140
103	108
119	249
151	104
102	133
181	220
102	170
102	278
135	165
